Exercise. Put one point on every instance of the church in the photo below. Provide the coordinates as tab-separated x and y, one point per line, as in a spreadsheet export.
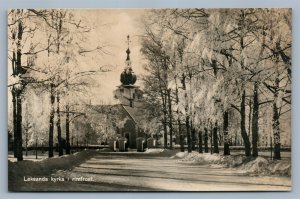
125	117
131	101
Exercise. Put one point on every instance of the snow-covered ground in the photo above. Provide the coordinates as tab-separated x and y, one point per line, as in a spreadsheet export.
45	166
253	166
41	155
153	170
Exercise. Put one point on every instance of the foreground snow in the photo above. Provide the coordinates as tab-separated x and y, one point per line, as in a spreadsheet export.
19	170
253	166
153	170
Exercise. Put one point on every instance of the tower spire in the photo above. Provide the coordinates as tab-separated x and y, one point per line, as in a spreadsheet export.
127	76
128	50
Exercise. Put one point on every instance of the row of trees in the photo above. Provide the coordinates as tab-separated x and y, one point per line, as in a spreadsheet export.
47	53
209	68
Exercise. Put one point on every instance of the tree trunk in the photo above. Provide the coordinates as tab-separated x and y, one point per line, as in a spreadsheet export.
164	95
200	142
164	120
58	125
250	118
276	133
181	136
187	117
205	140
215	139
36	148
211	138
51	128
188	132
193	132
244	135
19	127
26	142
170	118
225	129
275	125
15	120
235	139
67	130
17	92
255	121
243	126
165	131
220	137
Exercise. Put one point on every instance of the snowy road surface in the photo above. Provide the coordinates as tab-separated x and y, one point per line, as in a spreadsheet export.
143	172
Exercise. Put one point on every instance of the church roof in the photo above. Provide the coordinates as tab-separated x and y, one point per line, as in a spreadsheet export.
134	113
121	111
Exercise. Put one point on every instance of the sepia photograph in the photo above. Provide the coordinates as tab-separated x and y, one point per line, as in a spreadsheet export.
155	100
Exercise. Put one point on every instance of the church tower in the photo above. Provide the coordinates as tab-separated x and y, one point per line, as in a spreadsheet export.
131	103
128	93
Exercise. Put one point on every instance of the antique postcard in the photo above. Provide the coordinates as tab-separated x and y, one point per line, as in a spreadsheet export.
149	99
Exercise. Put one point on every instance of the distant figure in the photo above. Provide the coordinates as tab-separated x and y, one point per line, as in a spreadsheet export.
127	76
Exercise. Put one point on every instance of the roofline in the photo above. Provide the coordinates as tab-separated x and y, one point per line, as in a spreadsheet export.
129	114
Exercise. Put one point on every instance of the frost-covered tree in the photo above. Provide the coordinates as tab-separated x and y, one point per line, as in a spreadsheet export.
224	60
277	41
46	56
22	26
